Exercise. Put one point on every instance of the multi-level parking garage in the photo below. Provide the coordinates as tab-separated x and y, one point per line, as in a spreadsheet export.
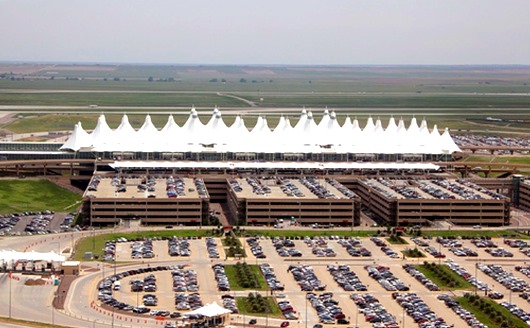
404	201
253	200
307	200
109	199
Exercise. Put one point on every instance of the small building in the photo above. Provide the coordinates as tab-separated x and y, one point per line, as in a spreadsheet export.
71	268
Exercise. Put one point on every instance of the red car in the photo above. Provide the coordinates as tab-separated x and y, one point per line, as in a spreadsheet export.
284	324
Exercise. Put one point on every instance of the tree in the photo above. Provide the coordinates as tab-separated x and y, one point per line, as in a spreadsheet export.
242	80
150	79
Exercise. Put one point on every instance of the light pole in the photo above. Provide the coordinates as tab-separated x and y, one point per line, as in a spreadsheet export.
10	294
476	277
306	310
94	326
114	274
93	240
53	312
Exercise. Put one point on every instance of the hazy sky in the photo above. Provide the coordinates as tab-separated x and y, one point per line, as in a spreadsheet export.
267	32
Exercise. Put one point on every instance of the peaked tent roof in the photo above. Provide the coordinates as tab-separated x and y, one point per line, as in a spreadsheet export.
306	137
79	138
209	311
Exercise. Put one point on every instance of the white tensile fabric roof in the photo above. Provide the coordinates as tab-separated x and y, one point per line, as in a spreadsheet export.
275	165
306	136
7	256
209	310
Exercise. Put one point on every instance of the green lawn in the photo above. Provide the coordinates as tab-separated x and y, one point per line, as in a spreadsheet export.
34	195
27	323
234	281
244	309
460	282
414	252
396	240
482	315
235	241
473	233
95	244
120	99
308	233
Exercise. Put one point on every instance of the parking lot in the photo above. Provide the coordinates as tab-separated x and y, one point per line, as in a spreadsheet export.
30	223
311	291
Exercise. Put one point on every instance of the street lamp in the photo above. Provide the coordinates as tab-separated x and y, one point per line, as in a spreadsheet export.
115	255
10	294
306	310
476	277
53	312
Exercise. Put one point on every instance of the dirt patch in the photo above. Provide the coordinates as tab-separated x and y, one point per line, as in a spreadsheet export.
81	68
6	117
203	71
259	71
22	68
35	282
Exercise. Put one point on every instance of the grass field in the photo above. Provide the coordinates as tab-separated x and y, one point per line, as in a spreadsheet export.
308	233
460	282
245	309
27	323
467	92
425	79
262	99
234	281
64	119
483	316
119	99
473	233
34	195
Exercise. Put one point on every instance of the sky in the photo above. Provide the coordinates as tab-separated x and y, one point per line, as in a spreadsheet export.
271	32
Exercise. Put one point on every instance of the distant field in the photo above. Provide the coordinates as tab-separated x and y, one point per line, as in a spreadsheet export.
34	195
446	95
118	99
64	122
438	79
263	99
508	159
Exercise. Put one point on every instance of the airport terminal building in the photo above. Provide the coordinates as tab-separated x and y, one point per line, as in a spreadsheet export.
308	172
326	141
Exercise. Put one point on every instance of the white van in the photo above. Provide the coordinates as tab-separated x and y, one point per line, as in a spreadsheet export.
117	285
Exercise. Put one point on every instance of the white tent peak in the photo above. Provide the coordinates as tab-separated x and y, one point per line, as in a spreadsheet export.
391	126
170	125
148	125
